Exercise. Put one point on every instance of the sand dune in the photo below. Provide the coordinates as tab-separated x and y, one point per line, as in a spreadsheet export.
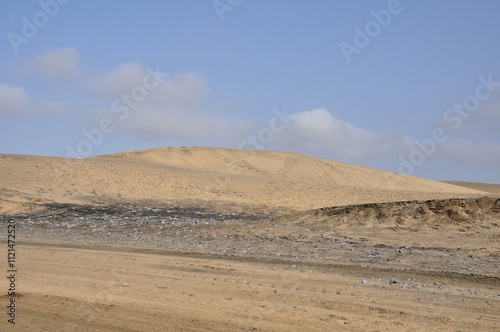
487	187
216	175
206	239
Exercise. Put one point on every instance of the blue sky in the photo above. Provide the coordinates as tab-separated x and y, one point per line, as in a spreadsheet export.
405	86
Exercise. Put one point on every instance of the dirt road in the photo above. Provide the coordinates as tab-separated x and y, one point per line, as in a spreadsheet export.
82	289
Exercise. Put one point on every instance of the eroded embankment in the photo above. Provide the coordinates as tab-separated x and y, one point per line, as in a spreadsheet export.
412	212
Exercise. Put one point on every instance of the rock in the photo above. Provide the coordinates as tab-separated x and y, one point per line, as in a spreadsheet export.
489	302
457	214
365	282
393	281
496	206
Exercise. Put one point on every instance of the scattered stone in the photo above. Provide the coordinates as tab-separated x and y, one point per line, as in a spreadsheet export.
456	213
188	228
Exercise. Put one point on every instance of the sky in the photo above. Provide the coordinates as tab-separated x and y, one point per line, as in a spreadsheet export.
406	86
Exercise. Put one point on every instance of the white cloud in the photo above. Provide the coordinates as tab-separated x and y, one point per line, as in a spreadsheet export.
118	81
60	63
175	90
14	100
175	124
319	132
175	108
184	91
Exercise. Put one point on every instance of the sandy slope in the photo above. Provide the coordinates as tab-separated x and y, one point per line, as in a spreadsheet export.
204	239
263	178
487	187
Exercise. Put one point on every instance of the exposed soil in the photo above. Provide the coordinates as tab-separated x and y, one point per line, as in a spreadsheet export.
422	266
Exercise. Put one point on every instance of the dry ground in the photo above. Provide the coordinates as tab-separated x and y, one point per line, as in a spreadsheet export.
199	239
82	289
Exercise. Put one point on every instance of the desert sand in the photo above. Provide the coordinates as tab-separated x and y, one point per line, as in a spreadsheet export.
212	239
486	187
265	179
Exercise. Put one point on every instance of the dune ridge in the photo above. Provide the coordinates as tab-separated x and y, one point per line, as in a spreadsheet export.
202	174
193	238
487	187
